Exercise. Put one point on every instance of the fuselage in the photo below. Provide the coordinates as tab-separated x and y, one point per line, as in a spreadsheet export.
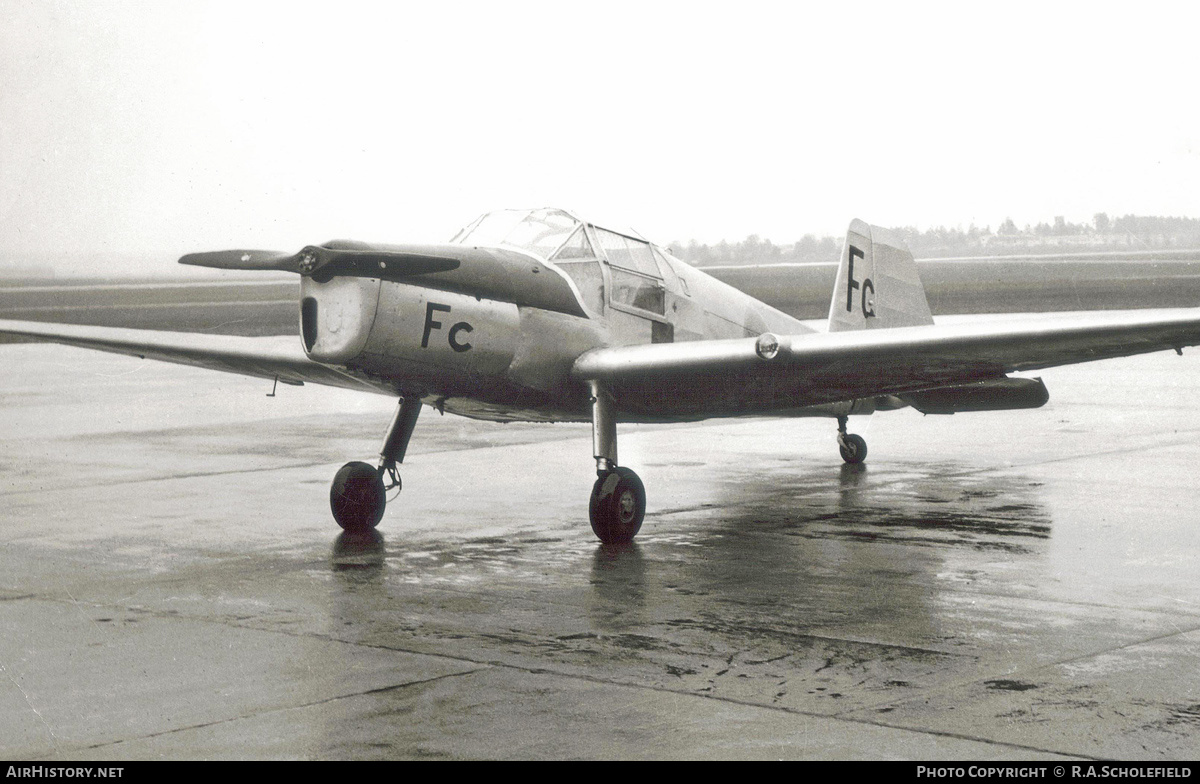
497	336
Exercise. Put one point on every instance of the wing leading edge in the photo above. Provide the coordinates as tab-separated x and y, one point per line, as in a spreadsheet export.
774	374
266	357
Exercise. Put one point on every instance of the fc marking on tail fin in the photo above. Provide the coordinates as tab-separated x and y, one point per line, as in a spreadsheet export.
877	284
852	284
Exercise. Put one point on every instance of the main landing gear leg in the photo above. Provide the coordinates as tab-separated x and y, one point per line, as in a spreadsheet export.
618	502
359	495
853	447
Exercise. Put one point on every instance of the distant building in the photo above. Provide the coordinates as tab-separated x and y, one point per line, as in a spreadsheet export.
1064	240
25	271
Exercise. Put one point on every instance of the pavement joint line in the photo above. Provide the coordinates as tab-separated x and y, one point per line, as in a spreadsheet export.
251	470
51	308
645	429
945	688
277	709
485	664
167	478
28	701
1172	442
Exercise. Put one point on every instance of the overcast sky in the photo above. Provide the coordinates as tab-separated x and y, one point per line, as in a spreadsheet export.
166	127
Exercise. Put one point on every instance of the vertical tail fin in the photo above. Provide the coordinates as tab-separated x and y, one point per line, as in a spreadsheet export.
877	284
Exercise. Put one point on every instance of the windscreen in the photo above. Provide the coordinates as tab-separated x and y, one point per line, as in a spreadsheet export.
540	232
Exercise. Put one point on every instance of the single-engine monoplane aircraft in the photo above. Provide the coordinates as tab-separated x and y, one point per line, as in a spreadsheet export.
537	315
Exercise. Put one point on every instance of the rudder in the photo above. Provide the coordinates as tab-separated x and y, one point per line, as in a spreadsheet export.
878	286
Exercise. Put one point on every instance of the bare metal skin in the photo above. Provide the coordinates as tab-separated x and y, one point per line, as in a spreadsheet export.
539	316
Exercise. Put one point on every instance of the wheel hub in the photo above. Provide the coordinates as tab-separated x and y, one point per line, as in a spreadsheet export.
627	507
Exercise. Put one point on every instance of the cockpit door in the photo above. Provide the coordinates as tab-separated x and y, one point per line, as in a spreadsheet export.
635	286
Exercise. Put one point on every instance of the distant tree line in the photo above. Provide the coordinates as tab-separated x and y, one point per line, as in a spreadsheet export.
1128	232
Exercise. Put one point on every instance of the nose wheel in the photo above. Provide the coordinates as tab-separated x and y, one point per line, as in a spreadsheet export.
358	495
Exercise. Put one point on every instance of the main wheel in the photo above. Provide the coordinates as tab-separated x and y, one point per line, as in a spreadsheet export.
853	448
618	506
357	497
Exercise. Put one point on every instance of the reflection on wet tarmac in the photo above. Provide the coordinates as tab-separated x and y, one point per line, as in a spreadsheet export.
618	586
795	590
831	591
358	551
939	505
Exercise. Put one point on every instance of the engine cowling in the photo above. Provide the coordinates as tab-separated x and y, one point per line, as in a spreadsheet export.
398	329
336	317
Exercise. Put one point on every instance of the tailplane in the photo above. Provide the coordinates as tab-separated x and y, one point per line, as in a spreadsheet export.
877	284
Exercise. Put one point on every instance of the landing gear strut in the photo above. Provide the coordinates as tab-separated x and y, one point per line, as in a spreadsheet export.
618	503
853	447
358	494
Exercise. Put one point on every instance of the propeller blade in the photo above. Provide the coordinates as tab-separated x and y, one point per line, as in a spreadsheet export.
253	260
388	265
325	263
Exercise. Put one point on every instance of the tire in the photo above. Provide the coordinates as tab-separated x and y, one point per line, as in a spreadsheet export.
356	497
854	449
618	506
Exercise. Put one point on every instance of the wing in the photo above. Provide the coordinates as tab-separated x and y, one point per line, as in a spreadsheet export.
266	357
775	374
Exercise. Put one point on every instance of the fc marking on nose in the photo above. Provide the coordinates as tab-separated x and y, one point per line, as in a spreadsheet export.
452	335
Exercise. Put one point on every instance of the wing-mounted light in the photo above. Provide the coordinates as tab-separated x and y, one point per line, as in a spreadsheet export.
767	346
323	263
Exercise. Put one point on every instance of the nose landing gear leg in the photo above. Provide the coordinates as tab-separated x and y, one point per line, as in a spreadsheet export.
358	494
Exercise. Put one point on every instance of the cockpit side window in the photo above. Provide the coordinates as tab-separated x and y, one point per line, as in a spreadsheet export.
577	247
668	272
577	259
636	281
628	253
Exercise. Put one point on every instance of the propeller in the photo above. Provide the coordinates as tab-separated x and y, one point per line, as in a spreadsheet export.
322	263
